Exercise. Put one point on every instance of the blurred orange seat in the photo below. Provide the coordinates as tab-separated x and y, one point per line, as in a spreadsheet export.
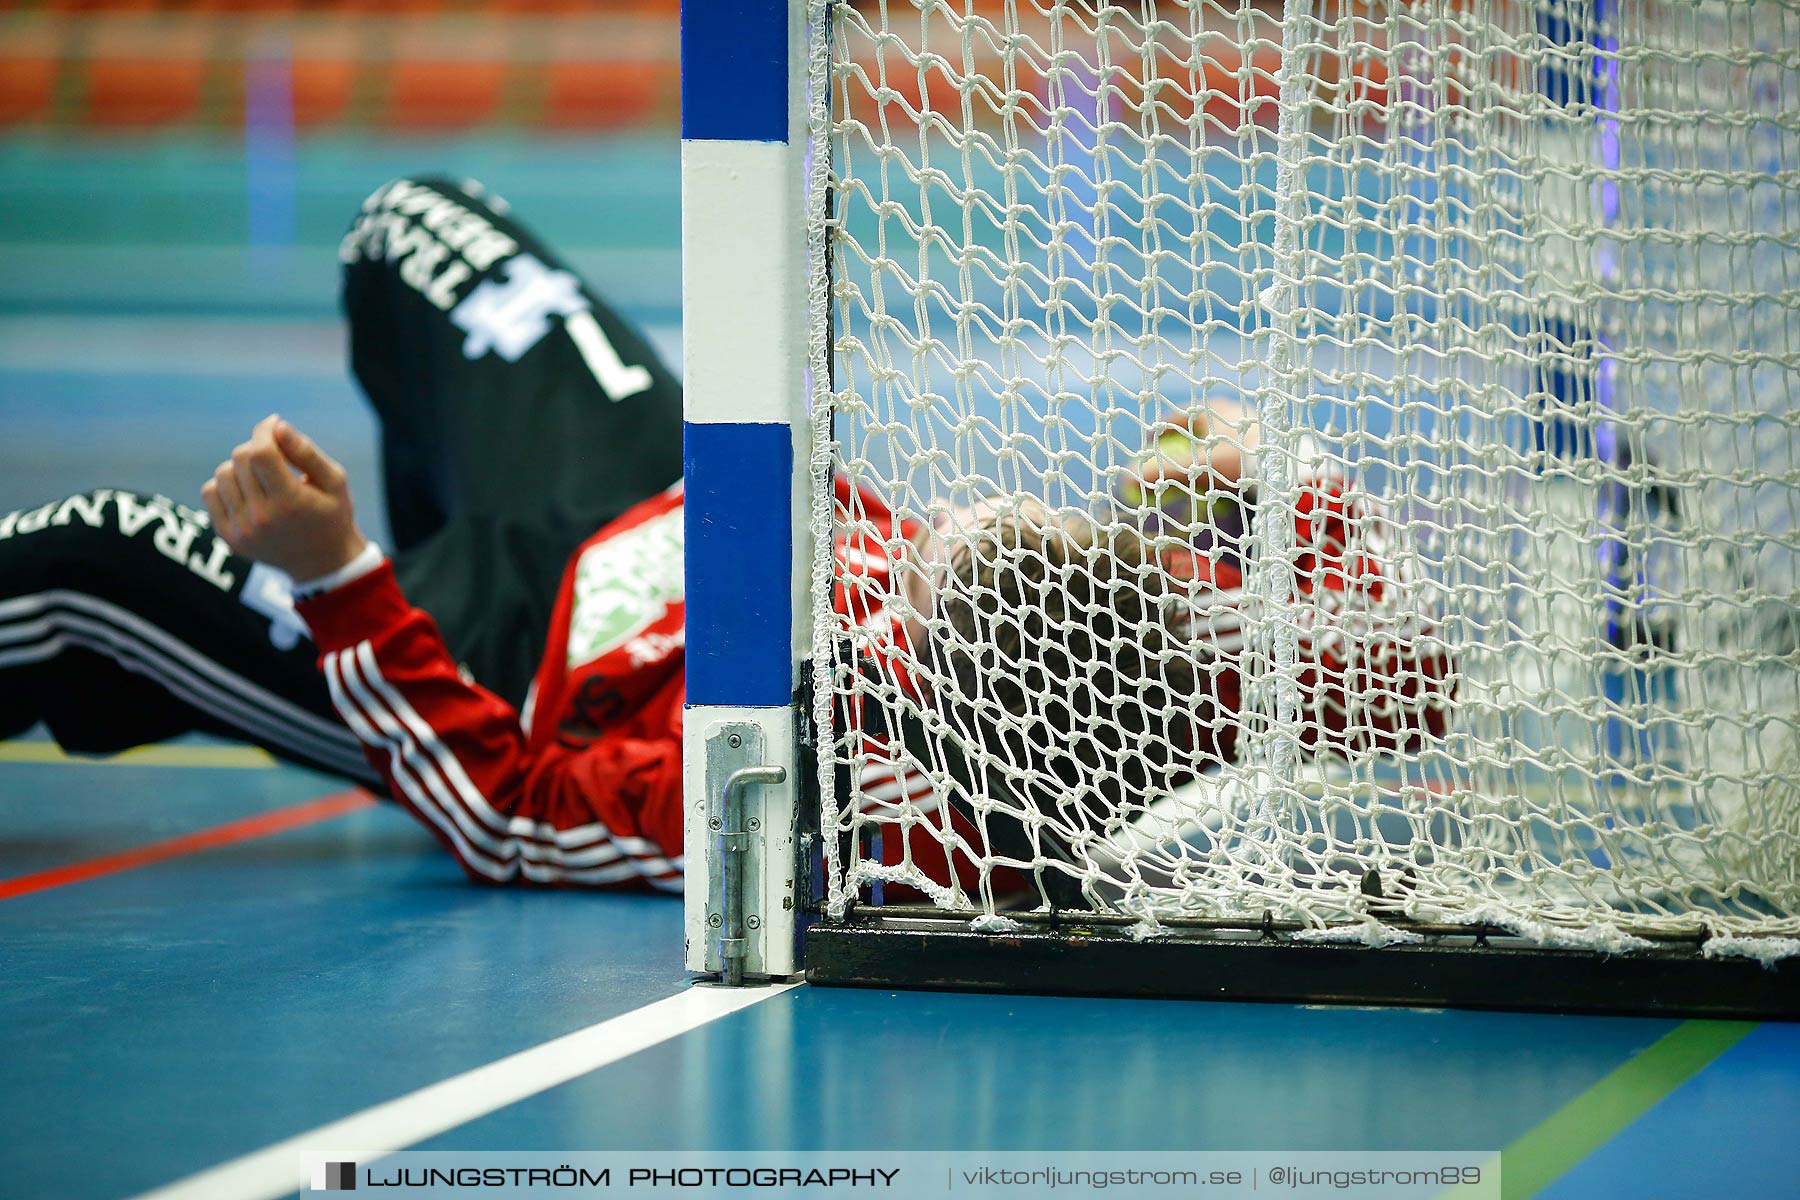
585	8
128	92
534	7
322	90
244	7
320	84
443	95
26	88
606	95
97	6
384	7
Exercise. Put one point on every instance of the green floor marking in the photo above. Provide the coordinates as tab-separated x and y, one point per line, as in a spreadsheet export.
1591	1119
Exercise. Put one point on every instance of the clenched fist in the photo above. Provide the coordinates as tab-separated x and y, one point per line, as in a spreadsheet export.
281	500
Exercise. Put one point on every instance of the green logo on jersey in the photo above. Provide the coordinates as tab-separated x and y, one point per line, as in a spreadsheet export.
624	585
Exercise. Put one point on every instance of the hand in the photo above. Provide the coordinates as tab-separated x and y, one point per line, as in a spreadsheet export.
281	500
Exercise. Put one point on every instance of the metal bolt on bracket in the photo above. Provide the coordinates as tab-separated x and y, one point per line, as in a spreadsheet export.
733	866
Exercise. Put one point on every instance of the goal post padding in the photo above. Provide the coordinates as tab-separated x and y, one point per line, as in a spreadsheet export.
745	325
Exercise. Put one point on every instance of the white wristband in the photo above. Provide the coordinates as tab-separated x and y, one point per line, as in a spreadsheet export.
365	561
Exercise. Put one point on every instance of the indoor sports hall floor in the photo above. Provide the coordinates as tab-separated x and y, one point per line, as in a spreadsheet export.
203	954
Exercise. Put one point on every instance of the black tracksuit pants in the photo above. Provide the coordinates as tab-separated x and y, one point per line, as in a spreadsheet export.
518	414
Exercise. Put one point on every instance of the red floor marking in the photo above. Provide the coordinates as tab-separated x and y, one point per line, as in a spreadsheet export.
261	825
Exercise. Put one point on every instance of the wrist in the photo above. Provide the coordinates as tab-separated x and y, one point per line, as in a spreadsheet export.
330	557
358	559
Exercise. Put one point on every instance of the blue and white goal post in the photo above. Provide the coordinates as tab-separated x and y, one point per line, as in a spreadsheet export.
745	327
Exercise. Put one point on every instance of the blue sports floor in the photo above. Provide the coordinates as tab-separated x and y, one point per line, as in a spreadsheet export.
256	974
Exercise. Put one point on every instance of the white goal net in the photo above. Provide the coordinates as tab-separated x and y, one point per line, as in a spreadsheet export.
1326	463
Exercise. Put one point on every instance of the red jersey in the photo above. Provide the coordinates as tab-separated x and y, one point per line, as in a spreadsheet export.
584	786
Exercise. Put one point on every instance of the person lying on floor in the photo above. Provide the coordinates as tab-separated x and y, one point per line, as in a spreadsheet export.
512	671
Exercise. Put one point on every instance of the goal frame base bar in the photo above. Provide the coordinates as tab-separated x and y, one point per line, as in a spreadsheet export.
867	951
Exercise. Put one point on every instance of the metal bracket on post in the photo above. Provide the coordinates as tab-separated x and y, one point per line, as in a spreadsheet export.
734	764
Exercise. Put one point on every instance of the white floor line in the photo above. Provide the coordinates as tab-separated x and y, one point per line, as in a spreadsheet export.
281	1169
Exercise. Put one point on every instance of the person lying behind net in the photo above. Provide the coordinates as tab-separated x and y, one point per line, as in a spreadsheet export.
1034	678
512	673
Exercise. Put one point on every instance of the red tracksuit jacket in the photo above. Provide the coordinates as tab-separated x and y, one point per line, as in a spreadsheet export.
584	787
